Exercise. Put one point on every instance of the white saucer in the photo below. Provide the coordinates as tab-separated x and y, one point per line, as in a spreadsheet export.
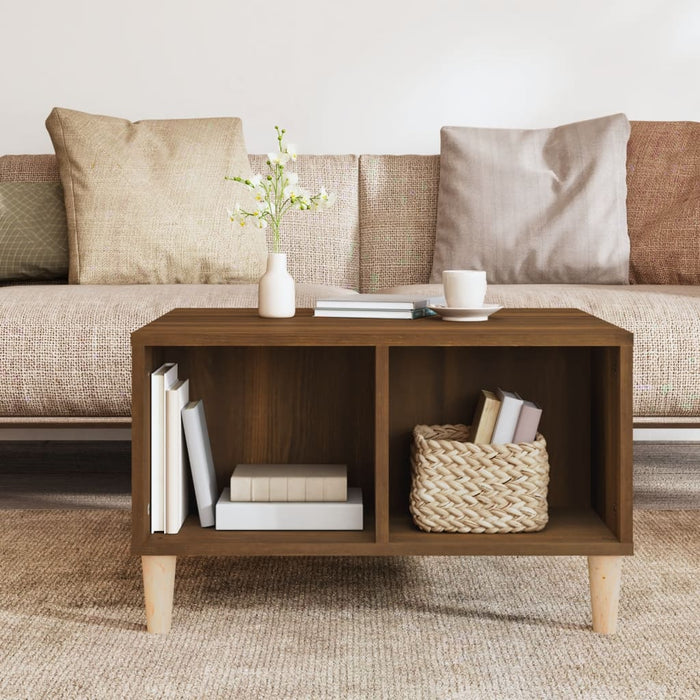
478	313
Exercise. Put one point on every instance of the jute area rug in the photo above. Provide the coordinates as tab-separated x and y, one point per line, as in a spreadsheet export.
72	622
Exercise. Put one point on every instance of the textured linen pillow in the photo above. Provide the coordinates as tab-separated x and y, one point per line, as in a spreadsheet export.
663	202
146	201
33	233
535	206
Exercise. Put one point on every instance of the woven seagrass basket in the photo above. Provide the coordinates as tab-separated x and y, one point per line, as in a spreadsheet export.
459	486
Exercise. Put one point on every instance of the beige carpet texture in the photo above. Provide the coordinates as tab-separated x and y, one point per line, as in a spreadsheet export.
72	621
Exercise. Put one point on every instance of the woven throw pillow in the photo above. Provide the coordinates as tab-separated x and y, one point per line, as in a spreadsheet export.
146	202
535	206
33	234
663	202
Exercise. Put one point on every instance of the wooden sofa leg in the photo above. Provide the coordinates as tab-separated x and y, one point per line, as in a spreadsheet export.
158	588
604	577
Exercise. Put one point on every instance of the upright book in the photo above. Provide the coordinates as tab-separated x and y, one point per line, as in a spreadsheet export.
504	429
484	417
528	422
194	423
161	380
176	470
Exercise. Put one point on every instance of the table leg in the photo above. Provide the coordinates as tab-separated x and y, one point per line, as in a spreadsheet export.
158	588
604	578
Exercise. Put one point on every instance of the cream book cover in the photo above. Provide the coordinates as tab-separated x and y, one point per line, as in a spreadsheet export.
176	463
289	482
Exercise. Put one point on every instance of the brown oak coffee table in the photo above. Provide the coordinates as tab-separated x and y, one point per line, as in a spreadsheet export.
325	390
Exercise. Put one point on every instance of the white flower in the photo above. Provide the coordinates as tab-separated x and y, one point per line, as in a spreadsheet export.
291	188
324	200
255	181
301	198
291	150
236	215
278	158
259	221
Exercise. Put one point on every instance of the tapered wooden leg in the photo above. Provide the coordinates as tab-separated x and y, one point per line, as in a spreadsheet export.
604	576
158	588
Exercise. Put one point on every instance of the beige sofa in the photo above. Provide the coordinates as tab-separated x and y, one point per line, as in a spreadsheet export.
64	349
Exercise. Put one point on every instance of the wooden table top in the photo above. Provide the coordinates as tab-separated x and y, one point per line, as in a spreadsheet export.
507	327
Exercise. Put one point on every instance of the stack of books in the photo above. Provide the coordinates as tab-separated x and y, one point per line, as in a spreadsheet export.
179	445
398	306
504	417
289	497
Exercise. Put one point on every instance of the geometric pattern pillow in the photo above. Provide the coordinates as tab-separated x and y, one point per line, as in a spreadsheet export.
33	232
146	202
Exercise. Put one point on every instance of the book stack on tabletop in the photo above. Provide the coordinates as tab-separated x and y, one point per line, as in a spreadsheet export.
386	306
289	497
504	417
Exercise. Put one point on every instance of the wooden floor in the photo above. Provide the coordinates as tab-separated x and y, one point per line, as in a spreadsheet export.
97	475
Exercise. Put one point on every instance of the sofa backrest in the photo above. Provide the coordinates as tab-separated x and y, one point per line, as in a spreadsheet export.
398	210
322	247
382	230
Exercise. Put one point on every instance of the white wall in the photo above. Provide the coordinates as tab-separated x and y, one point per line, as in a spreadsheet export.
361	76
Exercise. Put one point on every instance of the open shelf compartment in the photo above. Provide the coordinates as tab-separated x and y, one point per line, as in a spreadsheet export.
576	388
277	405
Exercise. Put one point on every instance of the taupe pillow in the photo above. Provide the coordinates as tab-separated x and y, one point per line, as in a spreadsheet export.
33	234
146	202
535	206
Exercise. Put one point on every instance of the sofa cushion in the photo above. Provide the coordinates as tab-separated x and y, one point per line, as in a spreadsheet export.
146	202
398	209
535	205
65	349
663	203
665	321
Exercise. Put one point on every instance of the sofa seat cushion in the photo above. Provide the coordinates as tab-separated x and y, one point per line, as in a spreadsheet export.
65	349
665	321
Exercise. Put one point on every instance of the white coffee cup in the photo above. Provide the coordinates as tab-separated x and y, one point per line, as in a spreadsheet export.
464	289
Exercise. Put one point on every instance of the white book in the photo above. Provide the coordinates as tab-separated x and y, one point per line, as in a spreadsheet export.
380	301
328	515
194	423
289	482
507	418
161	380
374	313
176	468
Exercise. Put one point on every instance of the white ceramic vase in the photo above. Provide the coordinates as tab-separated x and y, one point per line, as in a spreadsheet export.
276	289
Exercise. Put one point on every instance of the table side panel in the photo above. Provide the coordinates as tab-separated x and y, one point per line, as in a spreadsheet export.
611	488
381	450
